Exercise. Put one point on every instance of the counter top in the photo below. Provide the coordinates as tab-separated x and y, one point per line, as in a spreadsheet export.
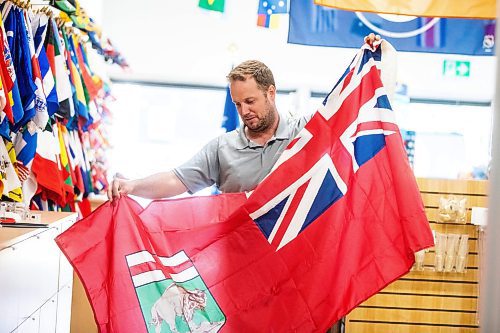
10	236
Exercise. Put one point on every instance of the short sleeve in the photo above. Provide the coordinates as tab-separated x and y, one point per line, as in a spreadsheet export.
202	170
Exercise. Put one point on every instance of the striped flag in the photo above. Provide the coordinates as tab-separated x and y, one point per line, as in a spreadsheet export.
268	21
91	87
25	143
79	99
46	167
39	25
146	268
66	167
41	116
16	51
55	54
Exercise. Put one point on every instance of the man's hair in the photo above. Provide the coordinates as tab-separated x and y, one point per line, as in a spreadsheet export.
253	68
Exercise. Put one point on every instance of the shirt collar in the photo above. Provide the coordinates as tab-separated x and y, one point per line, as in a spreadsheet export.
282	133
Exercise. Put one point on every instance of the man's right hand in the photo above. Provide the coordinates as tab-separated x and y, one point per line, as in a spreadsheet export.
119	186
157	186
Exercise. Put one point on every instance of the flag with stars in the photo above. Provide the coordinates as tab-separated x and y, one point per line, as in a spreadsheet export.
268	12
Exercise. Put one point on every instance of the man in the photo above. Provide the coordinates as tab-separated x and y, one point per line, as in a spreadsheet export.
236	161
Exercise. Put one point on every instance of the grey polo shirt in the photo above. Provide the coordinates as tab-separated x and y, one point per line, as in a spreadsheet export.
235	163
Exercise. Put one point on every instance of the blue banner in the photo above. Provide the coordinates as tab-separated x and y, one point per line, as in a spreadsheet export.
230	119
311	24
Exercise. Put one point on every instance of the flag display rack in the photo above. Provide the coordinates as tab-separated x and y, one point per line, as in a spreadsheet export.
430	301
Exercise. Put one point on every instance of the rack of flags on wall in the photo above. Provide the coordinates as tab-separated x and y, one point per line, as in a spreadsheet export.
53	110
71	14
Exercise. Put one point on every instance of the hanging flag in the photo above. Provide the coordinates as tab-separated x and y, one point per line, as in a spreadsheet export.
39	25
20	174
267	13
77	162
25	144
268	21
273	7
86	168
216	5
65	6
230	119
14	109
24	88
88	78
56	58
66	168
10	183
79	95
311	24
41	115
3	97
338	218
47	168
484	9
6	81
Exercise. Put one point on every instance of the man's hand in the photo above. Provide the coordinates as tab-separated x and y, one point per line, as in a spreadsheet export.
119	186
157	186
371	39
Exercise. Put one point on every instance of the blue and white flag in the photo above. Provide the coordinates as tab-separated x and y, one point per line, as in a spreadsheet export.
230	120
39	25
312	24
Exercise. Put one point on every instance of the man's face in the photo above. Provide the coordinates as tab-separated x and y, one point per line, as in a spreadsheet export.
255	107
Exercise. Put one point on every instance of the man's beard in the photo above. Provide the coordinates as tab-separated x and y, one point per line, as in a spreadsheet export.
265	122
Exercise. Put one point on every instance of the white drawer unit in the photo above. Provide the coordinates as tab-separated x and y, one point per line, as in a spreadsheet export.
35	278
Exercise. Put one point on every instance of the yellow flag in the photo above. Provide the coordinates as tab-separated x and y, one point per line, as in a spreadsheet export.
480	9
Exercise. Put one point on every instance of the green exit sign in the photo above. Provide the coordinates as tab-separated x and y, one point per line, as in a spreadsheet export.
456	68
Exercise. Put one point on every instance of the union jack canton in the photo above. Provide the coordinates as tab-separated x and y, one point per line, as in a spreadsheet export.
346	132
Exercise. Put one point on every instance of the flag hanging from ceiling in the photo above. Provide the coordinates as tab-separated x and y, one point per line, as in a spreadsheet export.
312	24
268	13
273	7
230	119
41	116
56	57
39	25
215	5
484	9
6	78
338	218
268	21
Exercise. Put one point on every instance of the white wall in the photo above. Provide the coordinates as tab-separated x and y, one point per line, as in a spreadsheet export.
175	41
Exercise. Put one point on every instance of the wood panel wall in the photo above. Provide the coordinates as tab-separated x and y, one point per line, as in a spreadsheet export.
428	301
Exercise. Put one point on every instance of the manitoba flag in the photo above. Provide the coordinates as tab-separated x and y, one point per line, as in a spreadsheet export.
337	219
